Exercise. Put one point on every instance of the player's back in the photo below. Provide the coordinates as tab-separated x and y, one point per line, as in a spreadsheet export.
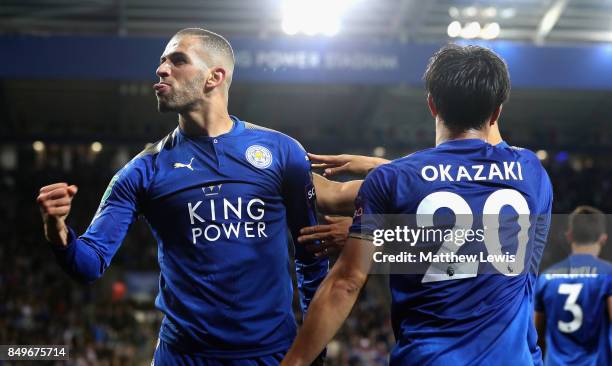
573	296
479	313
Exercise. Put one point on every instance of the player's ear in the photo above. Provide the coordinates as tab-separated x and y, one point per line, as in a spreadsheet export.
432	106
216	77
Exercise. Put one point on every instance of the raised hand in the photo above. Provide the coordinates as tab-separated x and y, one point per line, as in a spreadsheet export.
345	163
55	201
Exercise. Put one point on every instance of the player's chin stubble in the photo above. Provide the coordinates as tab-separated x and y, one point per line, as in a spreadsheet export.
178	105
162	106
182	102
167	103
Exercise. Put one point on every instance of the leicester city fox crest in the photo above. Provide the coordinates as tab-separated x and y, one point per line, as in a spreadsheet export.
259	156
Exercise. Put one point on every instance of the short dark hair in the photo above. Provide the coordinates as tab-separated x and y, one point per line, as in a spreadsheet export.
467	84
212	42
586	224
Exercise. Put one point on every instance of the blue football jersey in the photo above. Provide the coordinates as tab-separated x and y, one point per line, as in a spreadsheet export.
483	317
573	295
219	208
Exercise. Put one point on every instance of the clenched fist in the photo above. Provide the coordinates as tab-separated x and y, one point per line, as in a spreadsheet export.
55	202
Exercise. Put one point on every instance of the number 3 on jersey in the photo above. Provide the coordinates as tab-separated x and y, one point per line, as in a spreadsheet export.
573	291
464	219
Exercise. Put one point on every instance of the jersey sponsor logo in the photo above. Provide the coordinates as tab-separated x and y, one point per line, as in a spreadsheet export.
259	156
183	165
216	218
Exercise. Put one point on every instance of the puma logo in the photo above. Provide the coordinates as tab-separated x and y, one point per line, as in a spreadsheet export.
181	165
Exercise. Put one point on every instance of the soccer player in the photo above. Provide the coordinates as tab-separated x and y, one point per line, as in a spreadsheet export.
218	194
339	198
573	304
440	318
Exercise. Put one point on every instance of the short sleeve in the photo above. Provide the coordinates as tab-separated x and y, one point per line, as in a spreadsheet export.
373	202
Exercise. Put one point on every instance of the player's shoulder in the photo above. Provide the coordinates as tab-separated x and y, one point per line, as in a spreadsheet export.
605	263
145	159
529	160
384	170
413	159
279	137
552	274
152	150
574	266
604	266
410	164
519	153
405	168
388	174
137	172
256	129
561	267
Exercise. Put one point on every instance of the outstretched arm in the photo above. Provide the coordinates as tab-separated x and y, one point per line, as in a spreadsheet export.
338	292
336	198
359	165
86	258
332	303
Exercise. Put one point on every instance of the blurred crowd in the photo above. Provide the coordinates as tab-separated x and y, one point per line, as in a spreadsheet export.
40	304
366	338
105	325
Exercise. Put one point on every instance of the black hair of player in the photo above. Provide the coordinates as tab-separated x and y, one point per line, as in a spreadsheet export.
586	224
467	84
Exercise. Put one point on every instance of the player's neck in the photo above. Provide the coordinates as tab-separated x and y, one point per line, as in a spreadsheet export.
443	134
592	249
494	135
206	121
